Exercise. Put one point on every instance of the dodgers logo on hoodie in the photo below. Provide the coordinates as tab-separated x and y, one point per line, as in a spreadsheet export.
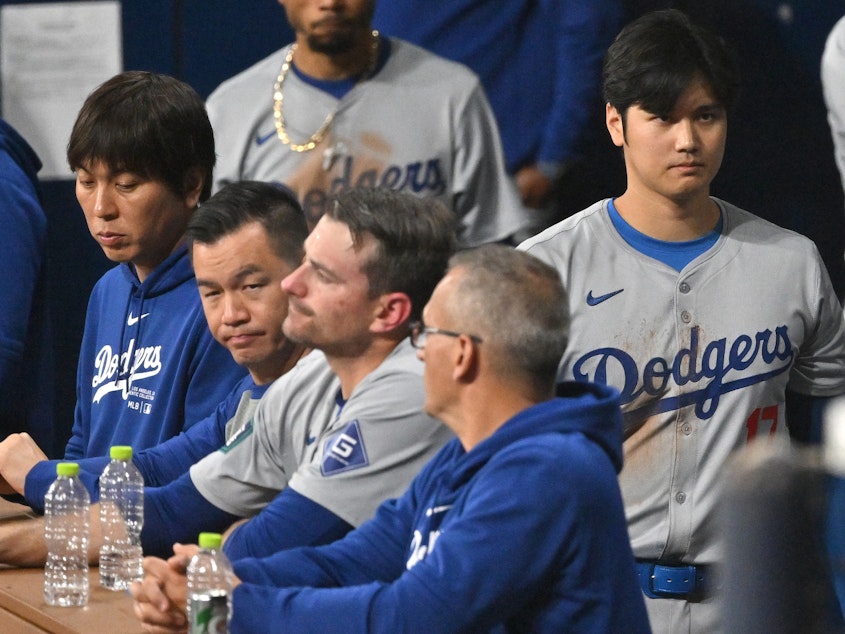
120	373
344	451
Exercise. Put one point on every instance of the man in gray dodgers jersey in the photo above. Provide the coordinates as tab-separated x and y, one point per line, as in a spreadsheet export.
345	429
343	107
700	313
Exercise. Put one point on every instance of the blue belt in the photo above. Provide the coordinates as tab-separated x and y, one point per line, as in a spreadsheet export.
673	582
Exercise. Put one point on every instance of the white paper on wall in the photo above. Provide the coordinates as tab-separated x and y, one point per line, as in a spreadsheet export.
52	55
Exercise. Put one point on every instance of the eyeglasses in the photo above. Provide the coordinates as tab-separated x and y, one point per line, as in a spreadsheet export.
419	334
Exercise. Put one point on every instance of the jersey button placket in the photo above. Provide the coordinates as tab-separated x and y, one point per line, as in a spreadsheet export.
686	445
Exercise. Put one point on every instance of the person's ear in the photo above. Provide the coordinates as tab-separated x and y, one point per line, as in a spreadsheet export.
466	360
392	311
615	125
192	187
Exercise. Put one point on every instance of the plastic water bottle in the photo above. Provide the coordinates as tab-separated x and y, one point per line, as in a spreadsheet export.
121	520
209	588
66	507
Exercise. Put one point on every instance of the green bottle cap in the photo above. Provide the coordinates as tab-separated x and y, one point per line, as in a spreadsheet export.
210	541
121	452
67	469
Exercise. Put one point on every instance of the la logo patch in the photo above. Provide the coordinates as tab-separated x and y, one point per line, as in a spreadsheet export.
344	451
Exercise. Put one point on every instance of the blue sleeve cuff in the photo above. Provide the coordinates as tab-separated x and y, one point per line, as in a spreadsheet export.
289	521
178	513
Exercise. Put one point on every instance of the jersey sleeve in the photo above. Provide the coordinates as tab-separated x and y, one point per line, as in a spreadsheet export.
375	550
819	369
246	473
381	441
81	429
486	200
832	74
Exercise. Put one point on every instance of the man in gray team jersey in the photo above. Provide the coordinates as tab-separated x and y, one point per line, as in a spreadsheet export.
701	314
344	107
345	429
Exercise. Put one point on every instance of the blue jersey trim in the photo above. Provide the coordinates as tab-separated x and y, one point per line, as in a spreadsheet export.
674	254
340	87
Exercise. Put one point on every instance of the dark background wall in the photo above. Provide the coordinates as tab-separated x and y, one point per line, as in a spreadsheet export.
779	162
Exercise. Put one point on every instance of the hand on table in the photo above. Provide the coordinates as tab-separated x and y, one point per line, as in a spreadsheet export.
18	454
161	597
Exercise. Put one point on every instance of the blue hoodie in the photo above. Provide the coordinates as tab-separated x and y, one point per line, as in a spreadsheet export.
26	361
524	533
148	366
158	465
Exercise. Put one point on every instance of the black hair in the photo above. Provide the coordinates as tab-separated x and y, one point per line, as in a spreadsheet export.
239	203
655	57
150	124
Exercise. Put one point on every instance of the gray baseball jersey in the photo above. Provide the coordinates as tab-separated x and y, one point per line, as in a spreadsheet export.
421	124
347	457
702	359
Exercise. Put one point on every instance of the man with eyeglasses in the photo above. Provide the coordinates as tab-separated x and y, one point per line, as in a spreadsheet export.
516	524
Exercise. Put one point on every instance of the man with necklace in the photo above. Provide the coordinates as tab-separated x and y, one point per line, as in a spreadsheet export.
342	107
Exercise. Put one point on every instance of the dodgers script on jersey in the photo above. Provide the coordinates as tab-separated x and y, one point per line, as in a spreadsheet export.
702	358
421	124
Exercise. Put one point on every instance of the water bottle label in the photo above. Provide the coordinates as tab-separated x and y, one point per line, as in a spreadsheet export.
209	614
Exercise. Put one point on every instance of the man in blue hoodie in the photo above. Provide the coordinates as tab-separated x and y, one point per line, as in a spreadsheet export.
142	149
517	524
26	362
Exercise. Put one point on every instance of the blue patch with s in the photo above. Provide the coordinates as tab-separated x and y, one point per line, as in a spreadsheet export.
344	451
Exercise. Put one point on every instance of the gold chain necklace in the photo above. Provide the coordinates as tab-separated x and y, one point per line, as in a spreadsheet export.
278	99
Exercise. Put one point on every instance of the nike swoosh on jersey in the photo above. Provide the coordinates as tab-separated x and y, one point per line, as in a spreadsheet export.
595	301
261	140
132	320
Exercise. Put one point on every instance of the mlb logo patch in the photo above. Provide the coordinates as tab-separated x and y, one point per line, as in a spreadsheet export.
344	451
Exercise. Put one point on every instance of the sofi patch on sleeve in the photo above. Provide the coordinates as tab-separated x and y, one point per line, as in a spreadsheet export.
344	451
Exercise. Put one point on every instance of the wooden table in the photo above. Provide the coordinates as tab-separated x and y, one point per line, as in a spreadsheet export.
24	611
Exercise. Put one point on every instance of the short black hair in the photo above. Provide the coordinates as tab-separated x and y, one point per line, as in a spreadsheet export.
150	124
655	57
242	202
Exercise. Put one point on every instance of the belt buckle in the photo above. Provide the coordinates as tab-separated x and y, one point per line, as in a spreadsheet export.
674	582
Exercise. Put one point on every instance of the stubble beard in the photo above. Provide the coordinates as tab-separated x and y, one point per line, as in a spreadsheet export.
336	44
